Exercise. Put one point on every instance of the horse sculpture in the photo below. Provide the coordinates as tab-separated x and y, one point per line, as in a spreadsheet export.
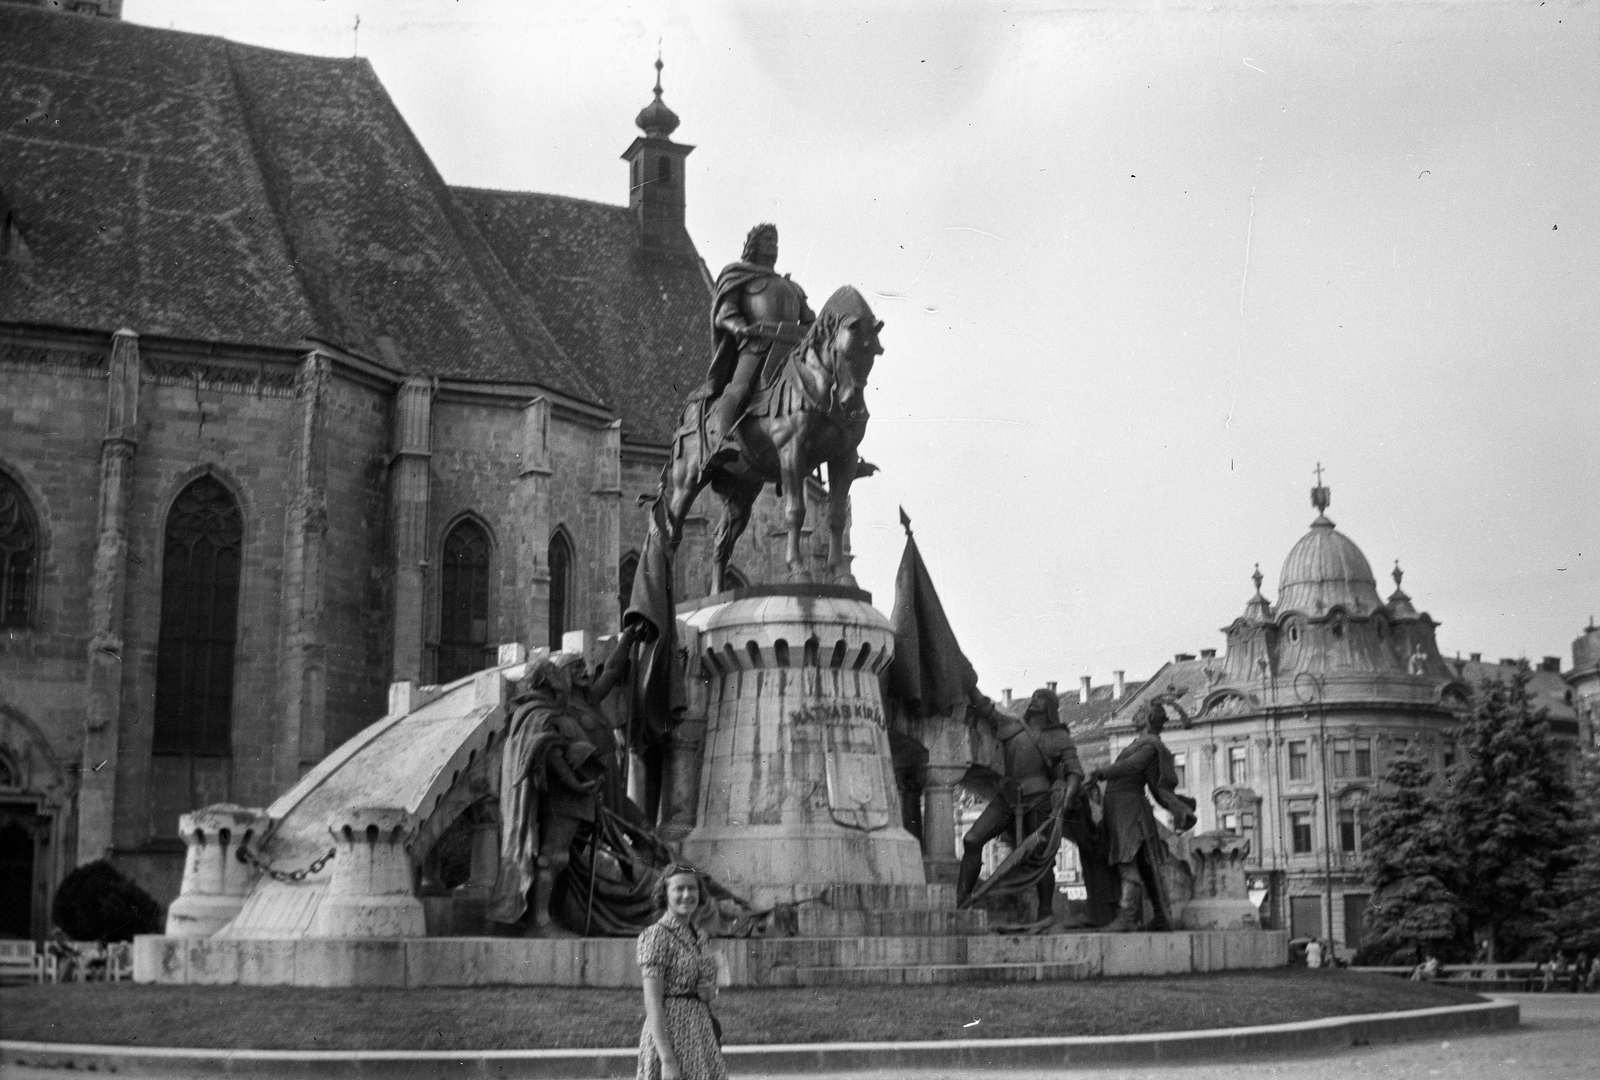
808	411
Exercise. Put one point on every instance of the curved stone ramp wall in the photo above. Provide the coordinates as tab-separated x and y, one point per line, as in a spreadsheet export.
410	760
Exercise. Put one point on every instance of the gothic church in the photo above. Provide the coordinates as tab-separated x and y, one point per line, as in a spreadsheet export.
284	418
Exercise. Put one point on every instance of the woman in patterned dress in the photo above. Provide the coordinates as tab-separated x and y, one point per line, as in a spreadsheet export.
680	980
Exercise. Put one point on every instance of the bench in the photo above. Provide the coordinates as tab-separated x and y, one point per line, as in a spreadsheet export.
20	962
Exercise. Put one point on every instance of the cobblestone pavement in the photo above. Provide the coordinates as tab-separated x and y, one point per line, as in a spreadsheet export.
1559	1040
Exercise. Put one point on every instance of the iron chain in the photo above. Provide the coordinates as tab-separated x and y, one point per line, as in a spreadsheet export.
250	858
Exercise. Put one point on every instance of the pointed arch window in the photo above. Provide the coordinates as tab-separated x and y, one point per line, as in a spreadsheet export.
464	601
732	578
19	555
200	566
561	606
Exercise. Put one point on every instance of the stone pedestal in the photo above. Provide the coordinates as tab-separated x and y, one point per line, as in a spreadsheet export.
371	893
797	789
215	882
1221	898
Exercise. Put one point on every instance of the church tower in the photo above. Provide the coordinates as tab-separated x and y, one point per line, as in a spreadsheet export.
656	176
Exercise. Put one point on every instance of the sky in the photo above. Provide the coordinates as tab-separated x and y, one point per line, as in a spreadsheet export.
1142	267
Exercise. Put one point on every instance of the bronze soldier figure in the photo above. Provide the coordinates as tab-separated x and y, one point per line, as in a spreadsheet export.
1042	776
560	767
1133	843
755	314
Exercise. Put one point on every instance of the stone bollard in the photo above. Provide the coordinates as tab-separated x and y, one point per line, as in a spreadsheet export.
372	893
215	881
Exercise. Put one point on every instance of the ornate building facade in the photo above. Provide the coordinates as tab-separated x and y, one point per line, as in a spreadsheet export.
284	418
1294	724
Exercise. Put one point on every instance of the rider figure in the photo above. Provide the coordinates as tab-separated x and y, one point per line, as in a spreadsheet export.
755	313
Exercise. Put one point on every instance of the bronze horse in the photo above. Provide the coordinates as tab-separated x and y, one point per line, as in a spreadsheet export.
809	411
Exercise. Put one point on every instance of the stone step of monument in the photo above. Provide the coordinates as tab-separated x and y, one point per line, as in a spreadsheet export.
979	949
941	974
889	897
826	922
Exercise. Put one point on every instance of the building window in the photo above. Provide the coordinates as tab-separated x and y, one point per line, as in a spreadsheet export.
1449	754
1363	757
1297	761
19	555
1400	747
463	602
664	170
1238	765
1347	831
1300	828
1230	824
1180	765
733	579
560	561
627	570
192	739
1341	758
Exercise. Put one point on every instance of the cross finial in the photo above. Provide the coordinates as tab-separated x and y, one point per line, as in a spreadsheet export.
1321	497
1397	574
659	66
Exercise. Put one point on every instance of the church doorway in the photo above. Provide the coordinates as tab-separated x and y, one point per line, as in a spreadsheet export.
19	826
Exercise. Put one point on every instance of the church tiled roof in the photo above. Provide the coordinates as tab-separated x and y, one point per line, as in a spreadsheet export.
641	315
187	186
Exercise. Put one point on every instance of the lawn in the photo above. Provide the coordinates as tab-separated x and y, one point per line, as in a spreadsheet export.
242	1017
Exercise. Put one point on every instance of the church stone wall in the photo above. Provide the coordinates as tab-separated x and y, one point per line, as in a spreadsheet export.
356	601
50	428
474	471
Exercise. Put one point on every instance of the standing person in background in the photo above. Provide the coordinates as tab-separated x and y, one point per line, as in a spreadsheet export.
1314	953
680	1040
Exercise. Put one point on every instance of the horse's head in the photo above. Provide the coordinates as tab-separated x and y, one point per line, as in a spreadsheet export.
849	346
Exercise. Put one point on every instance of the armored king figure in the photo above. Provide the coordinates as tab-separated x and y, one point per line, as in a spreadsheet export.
756	314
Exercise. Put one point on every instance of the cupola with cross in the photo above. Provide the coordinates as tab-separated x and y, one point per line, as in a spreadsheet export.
656	176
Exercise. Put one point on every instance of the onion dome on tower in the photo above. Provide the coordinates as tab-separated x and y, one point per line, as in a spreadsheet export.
656	178
655	119
1325	569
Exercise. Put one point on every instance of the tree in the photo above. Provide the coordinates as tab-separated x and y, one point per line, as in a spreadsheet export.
1412	866
1510	814
1575	923
96	903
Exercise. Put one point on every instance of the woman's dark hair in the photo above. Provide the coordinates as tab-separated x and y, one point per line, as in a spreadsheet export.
659	893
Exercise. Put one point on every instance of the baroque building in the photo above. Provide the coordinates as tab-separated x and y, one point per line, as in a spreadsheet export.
285	418
1298	718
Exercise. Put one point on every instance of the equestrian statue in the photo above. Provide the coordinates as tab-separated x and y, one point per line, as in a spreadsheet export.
783	396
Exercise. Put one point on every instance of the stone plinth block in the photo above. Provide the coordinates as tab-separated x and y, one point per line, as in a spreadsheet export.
1221	900
797	789
215	880
371	894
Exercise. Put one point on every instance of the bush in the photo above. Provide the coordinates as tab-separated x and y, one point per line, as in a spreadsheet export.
96	903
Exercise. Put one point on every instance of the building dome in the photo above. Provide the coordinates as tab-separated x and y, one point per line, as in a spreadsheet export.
655	119
1325	569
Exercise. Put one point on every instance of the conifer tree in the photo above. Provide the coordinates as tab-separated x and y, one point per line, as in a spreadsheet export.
1576	921
1509	812
1412	866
